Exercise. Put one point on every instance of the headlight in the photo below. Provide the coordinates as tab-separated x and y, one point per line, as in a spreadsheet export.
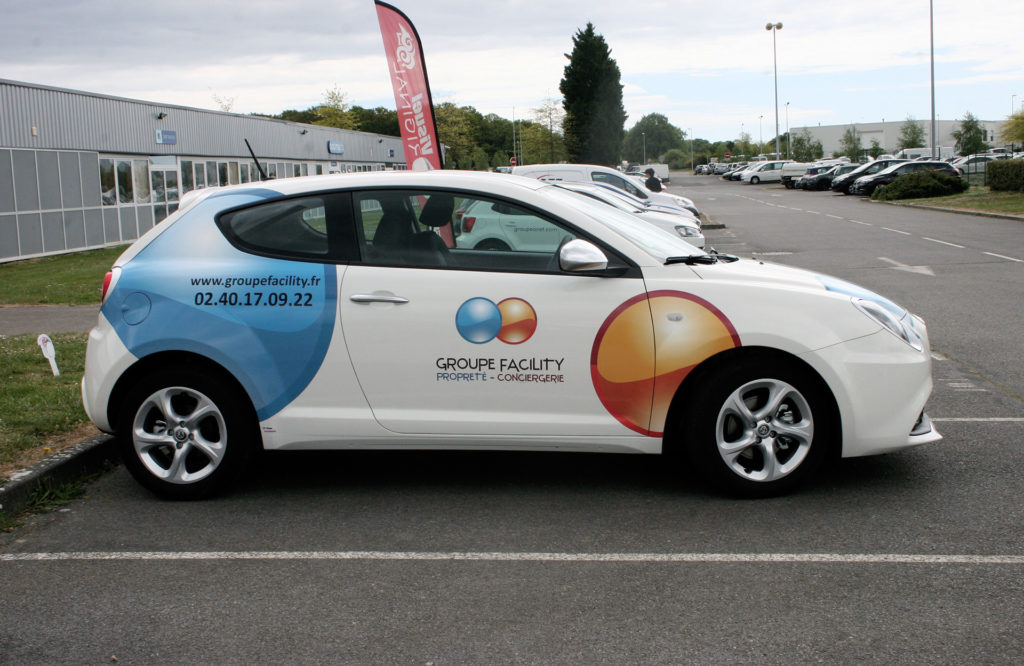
901	327
687	232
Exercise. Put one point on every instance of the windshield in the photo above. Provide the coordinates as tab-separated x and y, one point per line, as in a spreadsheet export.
656	242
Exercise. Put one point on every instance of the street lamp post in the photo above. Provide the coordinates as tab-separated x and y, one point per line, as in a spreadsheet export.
760	132
775	27
643	135
789	139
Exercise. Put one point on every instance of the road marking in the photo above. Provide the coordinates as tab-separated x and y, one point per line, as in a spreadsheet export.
981	419
866	224
921	270
748	558
905	233
834	217
1003	256
813	212
936	240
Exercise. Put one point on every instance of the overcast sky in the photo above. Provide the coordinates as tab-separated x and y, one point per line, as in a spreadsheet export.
706	65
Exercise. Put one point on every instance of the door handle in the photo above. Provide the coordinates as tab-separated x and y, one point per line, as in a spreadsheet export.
377	298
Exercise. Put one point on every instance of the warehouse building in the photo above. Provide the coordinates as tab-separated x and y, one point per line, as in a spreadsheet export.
887	134
80	170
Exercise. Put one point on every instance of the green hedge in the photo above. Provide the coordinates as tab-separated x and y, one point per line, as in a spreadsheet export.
919	185
1005	175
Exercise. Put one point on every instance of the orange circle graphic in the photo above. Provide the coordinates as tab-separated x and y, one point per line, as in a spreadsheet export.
518	321
645	349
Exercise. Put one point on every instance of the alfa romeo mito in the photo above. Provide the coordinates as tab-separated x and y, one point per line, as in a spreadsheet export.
341	312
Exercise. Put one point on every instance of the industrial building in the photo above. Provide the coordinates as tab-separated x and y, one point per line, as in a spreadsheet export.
887	134
81	170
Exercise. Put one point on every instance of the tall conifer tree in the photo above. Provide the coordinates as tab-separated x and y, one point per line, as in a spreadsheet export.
595	119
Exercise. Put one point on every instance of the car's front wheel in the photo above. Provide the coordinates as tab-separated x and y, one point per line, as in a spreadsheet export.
759	427
754	180
187	434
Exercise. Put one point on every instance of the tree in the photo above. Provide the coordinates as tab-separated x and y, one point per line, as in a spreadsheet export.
333	111
911	135
806	148
970	138
654	133
455	129
549	116
1013	129
378	121
850	144
876	149
592	97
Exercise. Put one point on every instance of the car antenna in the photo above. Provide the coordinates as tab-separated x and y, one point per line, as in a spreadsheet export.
263	174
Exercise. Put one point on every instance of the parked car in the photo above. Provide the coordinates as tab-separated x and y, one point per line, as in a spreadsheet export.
867	184
842	183
820	178
737	174
326	312
974	163
764	172
794	171
680	223
585	173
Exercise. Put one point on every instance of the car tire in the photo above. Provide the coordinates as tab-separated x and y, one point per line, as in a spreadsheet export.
754	180
759	427
492	244
187	433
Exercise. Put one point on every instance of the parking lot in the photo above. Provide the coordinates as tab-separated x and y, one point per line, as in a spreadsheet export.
578	558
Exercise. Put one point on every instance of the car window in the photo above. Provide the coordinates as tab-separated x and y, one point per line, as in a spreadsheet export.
432	229
297	228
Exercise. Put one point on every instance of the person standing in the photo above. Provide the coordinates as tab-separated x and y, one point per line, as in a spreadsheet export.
653	183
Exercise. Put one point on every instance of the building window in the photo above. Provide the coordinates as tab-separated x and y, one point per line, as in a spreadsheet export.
108	182
211	174
140	169
124	182
200	176
186	176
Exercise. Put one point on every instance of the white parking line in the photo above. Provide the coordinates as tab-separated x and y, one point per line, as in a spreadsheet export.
834	217
905	233
936	240
1003	256
979	419
866	224
743	558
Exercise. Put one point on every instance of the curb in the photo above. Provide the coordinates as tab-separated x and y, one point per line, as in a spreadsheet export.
87	456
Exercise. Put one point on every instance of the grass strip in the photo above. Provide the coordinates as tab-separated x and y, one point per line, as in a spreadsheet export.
979	198
64	279
39	412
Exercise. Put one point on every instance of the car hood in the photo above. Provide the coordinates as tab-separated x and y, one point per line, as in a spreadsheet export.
769	274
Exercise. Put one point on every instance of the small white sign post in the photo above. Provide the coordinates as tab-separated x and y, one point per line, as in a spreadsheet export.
46	344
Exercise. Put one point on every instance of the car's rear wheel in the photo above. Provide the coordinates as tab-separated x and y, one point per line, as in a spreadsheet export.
759	427
492	244
187	434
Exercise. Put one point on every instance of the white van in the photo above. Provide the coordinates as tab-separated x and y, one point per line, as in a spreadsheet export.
585	173
764	172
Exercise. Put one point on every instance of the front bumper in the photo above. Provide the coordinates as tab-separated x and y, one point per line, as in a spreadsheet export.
881	386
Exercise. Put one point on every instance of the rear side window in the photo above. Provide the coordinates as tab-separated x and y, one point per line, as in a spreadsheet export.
311	228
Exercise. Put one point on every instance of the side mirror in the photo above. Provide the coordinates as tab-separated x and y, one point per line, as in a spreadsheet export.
580	255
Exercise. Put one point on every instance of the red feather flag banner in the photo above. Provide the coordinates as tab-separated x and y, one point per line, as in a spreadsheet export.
412	90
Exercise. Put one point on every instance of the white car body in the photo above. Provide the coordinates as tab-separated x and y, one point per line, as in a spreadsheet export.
764	172
585	173
601	343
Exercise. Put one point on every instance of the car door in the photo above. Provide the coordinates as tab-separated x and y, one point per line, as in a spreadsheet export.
495	343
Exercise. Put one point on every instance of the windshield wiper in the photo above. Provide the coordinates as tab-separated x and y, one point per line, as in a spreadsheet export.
692	259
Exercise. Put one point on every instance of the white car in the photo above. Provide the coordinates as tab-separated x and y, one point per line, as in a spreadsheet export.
764	172
336	312
585	173
681	223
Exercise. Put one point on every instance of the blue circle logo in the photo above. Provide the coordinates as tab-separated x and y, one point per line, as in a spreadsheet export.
478	320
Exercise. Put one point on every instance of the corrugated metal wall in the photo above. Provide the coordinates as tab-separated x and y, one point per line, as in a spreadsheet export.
40	117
